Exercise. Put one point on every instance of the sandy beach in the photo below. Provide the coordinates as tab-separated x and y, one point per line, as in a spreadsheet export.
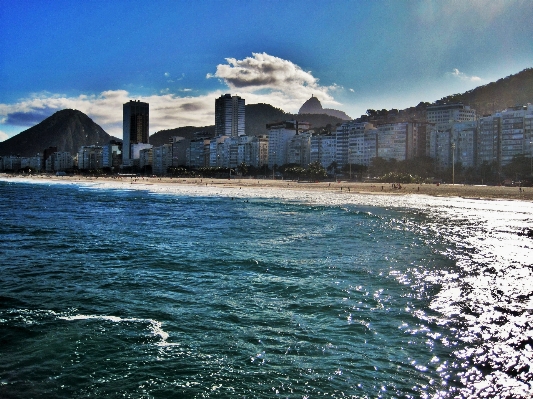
344	187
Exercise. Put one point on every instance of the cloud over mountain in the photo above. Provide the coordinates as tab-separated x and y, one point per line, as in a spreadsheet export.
166	111
261	78
285	82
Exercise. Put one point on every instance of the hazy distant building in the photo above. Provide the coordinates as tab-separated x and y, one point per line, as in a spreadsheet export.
299	149
229	116
161	159
59	161
217	156
135	127
258	151
47	153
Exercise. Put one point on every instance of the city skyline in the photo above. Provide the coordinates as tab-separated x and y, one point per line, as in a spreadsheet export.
180	57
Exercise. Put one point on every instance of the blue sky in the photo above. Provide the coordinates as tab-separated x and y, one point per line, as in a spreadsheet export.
180	55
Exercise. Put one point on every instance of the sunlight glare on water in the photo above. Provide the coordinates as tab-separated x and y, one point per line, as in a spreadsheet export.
202	292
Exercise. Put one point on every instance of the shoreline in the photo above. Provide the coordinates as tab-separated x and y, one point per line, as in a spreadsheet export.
344	187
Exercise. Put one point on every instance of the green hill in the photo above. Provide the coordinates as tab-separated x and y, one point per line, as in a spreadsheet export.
506	92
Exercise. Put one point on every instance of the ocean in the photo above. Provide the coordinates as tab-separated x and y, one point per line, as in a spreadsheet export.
147	291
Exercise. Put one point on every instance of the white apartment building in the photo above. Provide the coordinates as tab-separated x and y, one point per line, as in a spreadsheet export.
392	141
516	133
350	142
323	150
447	126
279	135
448	113
456	144
299	149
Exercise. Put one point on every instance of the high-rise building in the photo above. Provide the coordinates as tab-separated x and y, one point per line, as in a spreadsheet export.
229	116
135	127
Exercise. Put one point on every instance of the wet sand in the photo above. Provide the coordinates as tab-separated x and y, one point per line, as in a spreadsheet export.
344	187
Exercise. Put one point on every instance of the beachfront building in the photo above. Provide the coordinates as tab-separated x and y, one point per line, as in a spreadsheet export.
217	156
135	153
135	120
323	150
197	155
59	161
279	136
180	145
161	159
258	151
350	143
12	163
229	116
145	159
447	125
392	141
299	149
516	133
454	145
504	135
90	157
112	155
488	139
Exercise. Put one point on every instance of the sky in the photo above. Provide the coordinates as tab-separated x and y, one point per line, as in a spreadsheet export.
179	56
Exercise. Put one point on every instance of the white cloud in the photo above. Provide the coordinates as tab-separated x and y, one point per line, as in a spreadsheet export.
274	80
461	75
3	136
259	79
167	75
167	111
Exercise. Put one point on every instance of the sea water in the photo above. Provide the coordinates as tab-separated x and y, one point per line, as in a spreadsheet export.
146	291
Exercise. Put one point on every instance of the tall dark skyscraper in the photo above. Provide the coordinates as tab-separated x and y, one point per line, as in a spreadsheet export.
229	116
135	127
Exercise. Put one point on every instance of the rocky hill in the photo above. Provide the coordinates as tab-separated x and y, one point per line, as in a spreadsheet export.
68	130
313	106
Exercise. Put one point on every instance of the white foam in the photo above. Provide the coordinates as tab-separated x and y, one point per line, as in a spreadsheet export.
155	326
